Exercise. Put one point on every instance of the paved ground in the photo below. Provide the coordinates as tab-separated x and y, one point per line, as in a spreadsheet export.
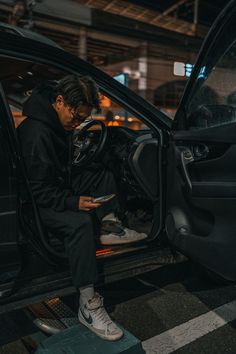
172	310
179	307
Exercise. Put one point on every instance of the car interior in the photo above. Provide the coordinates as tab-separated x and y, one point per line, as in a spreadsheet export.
117	139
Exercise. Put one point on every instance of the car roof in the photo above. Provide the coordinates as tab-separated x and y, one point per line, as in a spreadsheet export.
4	27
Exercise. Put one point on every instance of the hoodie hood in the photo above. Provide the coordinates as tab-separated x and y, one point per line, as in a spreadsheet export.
39	107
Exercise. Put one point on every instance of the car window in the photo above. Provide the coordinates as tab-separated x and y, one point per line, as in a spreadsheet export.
19	77
115	115
214	103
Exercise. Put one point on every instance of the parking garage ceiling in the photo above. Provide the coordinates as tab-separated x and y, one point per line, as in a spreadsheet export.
190	17
180	22
207	9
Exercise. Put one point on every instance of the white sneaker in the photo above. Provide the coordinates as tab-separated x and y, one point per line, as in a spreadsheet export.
94	316
113	233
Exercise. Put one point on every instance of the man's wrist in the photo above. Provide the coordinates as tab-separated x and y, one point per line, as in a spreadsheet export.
72	203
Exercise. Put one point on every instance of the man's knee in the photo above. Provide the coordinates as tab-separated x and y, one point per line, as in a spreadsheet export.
85	219
83	224
81	232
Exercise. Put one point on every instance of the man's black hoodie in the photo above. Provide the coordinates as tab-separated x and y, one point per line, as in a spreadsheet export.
46	152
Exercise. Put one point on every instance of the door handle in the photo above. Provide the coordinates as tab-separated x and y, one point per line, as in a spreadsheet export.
200	151
186	157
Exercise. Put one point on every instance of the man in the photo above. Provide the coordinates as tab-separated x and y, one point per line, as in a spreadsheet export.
53	111
18	12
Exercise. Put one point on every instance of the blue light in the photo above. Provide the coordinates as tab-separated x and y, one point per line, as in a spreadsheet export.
122	78
202	73
188	69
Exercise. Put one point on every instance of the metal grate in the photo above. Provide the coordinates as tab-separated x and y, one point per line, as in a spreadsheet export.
52	316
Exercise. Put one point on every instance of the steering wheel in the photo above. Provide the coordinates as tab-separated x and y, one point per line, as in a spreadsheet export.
88	145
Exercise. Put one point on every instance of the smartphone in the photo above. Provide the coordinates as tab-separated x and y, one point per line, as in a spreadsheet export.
104	198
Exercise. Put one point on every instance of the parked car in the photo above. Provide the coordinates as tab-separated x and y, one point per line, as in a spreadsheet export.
176	178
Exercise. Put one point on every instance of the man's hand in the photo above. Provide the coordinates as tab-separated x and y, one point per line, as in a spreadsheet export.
87	203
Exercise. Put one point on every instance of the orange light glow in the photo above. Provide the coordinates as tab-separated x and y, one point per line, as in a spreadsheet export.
54	301
104	252
105	101
113	124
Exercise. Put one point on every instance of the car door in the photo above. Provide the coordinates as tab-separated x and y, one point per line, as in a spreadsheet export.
9	251
201	201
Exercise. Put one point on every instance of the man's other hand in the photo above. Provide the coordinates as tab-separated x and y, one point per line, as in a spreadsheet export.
87	203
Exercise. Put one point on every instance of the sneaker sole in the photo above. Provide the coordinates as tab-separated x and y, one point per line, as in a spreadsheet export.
110	338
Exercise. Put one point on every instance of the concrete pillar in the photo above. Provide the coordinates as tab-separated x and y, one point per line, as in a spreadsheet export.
143	69
195	16
82	43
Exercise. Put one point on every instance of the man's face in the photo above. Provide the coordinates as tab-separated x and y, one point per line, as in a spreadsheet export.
71	118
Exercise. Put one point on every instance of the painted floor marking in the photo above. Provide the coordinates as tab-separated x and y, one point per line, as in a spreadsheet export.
179	336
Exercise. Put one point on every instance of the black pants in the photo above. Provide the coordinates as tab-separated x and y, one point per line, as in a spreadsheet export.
77	229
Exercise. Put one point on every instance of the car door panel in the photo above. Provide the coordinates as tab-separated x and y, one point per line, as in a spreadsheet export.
202	221
142	160
219	134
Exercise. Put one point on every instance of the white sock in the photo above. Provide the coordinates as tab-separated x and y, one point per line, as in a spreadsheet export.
110	216
86	293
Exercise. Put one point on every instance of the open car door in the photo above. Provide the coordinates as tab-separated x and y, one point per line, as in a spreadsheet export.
9	252
201	203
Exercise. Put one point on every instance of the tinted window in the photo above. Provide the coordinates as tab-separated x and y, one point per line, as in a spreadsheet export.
214	103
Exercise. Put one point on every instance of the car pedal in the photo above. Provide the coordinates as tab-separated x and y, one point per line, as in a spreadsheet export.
52	316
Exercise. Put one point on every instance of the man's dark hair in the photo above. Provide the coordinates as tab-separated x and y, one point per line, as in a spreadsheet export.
77	90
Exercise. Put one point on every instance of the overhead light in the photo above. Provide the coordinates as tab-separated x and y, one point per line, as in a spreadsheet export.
179	68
